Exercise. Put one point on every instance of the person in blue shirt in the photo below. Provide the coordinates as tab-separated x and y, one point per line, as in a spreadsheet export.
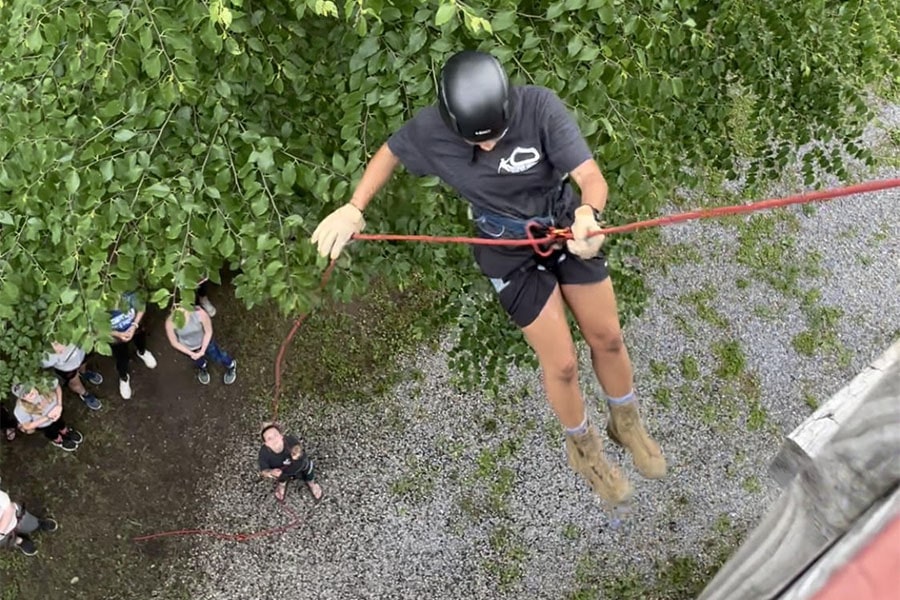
126	320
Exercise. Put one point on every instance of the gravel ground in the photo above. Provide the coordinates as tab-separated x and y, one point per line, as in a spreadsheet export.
439	494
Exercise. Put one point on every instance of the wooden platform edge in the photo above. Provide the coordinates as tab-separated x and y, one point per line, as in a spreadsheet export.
806	441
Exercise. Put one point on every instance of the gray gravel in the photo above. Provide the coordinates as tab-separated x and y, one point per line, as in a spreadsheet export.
369	540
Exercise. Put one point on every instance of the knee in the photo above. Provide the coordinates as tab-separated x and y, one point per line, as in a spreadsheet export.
606	341
562	368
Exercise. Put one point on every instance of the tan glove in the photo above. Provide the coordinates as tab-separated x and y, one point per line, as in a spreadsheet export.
335	230
585	224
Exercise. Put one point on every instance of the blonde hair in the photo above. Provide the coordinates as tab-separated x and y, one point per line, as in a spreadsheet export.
32	408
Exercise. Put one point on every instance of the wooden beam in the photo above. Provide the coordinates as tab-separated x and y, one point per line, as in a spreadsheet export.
882	513
858	466
807	441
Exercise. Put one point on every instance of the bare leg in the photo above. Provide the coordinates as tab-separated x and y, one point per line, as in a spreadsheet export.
551	340
594	306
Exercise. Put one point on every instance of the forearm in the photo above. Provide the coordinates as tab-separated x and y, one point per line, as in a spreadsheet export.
595	191
32	425
206	339
182	348
138	317
377	173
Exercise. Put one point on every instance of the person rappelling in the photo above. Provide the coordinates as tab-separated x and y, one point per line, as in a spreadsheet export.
510	151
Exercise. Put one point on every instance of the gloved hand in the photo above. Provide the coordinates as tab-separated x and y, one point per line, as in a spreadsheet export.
335	230
585	224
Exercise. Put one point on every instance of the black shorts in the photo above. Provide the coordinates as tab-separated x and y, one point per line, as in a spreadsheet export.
65	376
307	474
525	291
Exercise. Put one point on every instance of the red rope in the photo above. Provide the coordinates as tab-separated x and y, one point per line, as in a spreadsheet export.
557	235
554	236
295	519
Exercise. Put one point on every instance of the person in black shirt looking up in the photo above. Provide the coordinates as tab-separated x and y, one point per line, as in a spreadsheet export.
510	151
282	458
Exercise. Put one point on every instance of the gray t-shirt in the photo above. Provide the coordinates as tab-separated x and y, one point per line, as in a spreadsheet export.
519	178
191	335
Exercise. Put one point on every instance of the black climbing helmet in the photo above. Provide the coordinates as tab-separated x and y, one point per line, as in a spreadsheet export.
473	96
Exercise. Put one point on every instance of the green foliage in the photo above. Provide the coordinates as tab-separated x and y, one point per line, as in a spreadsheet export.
151	143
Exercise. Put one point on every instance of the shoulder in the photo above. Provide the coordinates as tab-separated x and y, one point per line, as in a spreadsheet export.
534	96
426	121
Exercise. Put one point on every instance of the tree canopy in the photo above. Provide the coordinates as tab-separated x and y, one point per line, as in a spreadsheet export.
148	144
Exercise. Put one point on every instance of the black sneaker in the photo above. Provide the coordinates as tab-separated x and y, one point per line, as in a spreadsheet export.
48	525
65	443
27	547
74	435
231	373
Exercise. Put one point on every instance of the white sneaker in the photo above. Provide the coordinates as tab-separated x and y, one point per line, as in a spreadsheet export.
125	388
148	359
208	306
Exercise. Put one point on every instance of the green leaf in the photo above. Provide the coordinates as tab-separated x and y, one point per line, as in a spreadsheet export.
160	297
73	182
6	218
288	174
68	296
34	41
607	14
264	159
504	20
226	248
555	10
158	190
259	205
123	135
444	14
151	64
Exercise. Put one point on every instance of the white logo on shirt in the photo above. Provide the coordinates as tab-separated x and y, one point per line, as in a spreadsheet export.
519	160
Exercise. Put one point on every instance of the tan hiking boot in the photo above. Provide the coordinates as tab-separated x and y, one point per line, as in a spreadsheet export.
586	457
626	429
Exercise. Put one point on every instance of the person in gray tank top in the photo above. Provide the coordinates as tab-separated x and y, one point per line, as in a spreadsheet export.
191	333
511	151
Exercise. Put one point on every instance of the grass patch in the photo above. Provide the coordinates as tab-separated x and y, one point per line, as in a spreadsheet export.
663	396
508	556
690	370
758	417
678	577
701	302
751	485
659	368
731	359
820	335
417	483
571	531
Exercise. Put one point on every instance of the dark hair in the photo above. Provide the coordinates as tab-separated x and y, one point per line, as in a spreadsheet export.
267	426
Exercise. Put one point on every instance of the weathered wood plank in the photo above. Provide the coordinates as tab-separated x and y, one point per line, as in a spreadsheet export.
806	441
863	531
860	464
